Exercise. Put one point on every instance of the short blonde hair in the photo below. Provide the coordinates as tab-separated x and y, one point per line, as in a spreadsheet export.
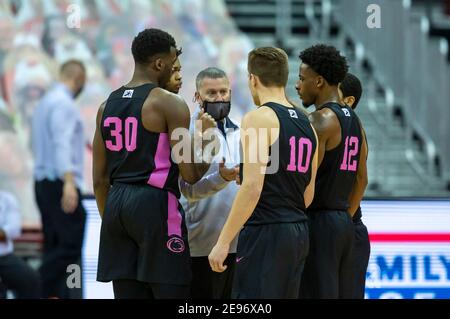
270	65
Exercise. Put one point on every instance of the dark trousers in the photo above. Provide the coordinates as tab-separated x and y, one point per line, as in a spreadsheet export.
133	289
360	259
270	262
207	284
3	290
19	277
328	268
63	238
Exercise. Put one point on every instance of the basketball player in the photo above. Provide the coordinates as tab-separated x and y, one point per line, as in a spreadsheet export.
274	243
350	91
143	241
175	81
341	177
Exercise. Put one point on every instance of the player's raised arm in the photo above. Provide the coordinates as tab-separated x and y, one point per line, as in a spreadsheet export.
177	117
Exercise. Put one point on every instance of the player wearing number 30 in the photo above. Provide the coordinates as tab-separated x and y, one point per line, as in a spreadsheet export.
143	241
341	177
271	203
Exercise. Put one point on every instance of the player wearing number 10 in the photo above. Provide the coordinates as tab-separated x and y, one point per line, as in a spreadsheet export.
274	242
341	177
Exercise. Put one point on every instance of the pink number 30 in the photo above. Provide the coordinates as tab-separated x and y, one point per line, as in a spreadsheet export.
131	125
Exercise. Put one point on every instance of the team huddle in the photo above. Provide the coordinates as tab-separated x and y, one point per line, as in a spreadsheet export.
202	207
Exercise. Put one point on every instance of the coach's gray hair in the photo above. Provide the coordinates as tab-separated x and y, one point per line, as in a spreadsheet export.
212	73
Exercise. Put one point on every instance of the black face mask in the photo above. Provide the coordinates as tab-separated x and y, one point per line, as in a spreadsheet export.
218	110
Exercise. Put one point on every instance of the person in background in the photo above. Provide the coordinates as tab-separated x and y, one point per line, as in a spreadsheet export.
175	81
15	274
58	147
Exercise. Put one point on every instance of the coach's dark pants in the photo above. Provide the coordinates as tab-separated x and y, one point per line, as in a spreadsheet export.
328	268
20	278
207	284
63	238
360	259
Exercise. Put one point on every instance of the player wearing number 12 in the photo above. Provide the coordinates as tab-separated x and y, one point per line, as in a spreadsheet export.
341	177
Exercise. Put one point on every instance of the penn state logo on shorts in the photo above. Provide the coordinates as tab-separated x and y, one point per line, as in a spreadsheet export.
175	244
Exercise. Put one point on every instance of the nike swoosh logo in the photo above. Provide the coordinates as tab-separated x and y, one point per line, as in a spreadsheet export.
239	259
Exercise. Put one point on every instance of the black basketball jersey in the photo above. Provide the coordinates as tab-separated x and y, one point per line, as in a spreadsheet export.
289	170
337	173
135	155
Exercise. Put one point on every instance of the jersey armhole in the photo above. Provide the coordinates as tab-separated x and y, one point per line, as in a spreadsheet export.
279	125
102	120
141	118
337	147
